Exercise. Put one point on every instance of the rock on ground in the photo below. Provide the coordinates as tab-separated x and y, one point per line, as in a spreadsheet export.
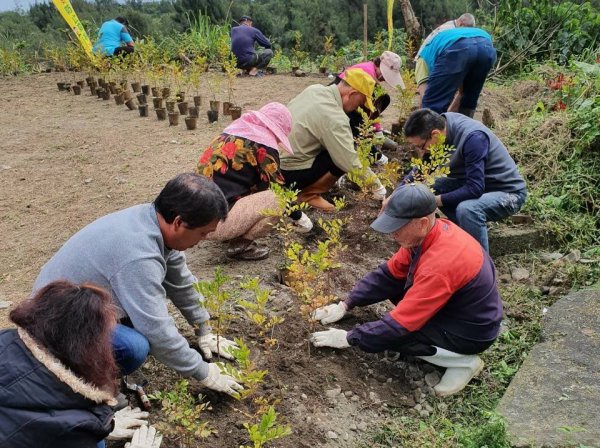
554	399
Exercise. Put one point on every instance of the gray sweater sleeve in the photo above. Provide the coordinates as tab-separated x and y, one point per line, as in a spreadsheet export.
179	287
142	296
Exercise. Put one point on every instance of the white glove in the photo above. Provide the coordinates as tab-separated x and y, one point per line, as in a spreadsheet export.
303	224
330	338
330	313
208	345
379	193
219	382
125	421
145	437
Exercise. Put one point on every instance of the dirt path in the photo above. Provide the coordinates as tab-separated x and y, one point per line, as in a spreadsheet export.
66	160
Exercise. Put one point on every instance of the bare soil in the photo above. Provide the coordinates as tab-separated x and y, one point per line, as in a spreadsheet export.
66	160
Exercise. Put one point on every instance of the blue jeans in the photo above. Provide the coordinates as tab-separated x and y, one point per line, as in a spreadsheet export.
130	348
471	215
466	62
101	444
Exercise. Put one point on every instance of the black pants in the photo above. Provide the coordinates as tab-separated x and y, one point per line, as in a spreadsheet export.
300	179
259	60
123	50
424	341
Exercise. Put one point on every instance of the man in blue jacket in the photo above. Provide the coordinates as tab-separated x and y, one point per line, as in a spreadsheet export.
243	38
455	57
484	183
111	36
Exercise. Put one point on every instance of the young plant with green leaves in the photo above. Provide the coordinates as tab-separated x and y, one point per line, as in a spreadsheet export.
267	430
256	310
310	271
435	163
298	55
218	301
246	371
183	413
363	176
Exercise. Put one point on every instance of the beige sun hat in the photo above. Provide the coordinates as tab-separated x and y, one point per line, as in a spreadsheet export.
390	69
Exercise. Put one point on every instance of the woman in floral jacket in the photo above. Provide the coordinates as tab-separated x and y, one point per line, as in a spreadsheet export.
243	161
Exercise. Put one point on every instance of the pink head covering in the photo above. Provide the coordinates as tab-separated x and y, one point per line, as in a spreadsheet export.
269	126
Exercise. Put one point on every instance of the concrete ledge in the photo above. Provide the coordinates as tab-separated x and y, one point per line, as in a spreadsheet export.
554	399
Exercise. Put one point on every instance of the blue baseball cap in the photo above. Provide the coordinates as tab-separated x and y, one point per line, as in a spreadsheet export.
407	202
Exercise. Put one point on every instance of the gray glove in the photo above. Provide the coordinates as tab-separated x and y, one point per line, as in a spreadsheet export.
145	437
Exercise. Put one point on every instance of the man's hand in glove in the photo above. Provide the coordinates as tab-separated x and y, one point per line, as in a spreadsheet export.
330	338
145	437
208	346
330	313
126	420
219	382
379	193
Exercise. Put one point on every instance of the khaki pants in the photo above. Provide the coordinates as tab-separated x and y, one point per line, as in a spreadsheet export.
246	220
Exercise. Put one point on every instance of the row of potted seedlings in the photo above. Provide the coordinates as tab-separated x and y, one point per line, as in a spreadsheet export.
164	107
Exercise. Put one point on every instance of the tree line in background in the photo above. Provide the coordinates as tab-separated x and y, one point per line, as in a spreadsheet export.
524	30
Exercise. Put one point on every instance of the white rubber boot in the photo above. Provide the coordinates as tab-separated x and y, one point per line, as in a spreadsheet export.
460	369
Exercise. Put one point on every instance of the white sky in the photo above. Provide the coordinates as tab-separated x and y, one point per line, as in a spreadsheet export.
11	5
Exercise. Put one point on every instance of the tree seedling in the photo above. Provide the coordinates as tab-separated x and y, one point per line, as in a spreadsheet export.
183	413
217	301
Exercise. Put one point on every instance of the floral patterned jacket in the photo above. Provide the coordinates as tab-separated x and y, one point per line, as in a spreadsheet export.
239	166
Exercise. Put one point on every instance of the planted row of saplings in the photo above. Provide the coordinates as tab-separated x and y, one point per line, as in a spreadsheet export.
164	106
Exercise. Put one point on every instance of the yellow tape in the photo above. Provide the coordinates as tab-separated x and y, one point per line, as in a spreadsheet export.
68	13
390	22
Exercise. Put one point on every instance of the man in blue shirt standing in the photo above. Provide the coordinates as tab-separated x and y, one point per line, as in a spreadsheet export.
455	57
110	36
243	38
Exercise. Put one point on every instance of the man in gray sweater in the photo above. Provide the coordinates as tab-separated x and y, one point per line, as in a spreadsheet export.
137	255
